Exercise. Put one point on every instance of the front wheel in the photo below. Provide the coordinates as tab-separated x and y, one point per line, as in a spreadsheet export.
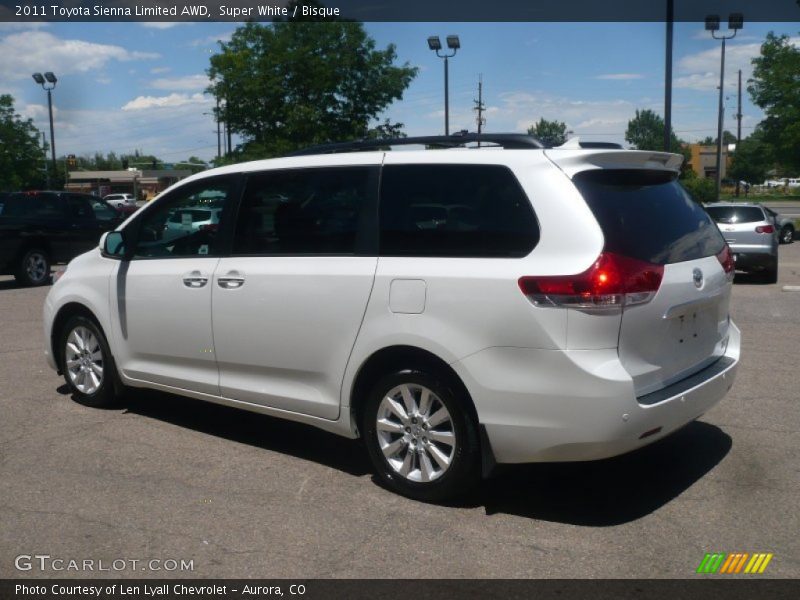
787	235
87	363
420	436
33	268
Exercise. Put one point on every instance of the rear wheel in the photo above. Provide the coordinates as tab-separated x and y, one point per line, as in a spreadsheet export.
420	436
87	363
33	268
787	234
770	274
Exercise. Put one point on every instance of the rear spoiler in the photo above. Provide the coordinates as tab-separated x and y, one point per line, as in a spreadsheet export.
573	161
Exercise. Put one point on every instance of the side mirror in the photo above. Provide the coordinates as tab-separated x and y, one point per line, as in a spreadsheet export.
113	245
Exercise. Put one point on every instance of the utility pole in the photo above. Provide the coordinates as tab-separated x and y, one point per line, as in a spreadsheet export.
668	79
479	107
219	133
46	168
739	125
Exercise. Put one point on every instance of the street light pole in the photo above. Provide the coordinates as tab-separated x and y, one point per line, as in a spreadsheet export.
668	78
435	44
44	80
735	23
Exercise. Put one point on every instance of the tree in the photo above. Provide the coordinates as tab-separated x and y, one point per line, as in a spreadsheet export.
752	159
296	83
386	130
646	132
775	88
22	159
550	133
727	138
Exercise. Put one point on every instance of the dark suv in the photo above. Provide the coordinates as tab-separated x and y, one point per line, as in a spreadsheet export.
38	229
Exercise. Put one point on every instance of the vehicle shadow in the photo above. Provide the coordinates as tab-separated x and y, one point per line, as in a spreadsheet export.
742	278
599	493
253	429
612	491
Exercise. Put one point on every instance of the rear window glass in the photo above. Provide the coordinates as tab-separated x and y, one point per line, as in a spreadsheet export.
735	214
648	215
454	211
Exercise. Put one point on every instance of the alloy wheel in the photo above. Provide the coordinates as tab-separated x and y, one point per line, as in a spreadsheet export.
415	433
36	266
83	359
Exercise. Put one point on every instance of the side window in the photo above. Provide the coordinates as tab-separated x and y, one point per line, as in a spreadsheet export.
102	211
454	211
79	207
304	211
184	223
45	206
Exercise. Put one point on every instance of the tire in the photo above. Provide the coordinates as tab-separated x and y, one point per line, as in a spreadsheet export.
33	268
770	274
412	453
787	235
80	342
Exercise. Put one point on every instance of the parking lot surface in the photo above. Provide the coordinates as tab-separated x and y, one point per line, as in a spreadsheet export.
242	495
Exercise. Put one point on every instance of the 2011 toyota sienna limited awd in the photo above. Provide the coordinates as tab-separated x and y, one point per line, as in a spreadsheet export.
454	307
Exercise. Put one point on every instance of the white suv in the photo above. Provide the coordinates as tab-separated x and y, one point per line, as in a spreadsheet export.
455	308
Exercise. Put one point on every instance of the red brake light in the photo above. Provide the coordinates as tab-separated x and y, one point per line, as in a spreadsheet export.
209	227
725	258
765	229
613	280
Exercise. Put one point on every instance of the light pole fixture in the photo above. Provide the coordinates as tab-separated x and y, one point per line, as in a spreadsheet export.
735	23
48	82
435	44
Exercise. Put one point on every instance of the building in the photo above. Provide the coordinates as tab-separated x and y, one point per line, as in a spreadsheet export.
142	184
704	160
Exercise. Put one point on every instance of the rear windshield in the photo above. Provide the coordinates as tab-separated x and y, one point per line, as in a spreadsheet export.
648	215
735	214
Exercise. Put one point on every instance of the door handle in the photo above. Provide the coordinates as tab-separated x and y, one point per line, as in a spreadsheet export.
231	281
195	279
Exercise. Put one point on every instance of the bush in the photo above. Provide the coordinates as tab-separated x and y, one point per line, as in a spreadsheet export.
702	190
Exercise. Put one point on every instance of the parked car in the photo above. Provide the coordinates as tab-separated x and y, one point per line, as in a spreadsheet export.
453	308
39	229
751	234
120	200
189	220
784	226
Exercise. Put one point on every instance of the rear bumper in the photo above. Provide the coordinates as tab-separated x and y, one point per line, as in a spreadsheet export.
753	260
551	406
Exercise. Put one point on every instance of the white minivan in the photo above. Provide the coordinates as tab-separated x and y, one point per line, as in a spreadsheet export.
455	308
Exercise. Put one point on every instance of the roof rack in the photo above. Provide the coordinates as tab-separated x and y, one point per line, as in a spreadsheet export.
509	141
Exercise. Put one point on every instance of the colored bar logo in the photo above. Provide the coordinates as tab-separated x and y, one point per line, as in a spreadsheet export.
737	562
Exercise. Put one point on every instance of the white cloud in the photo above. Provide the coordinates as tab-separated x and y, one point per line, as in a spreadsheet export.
16	26
212	40
700	71
163	24
171	101
24	53
185	83
159	70
620	76
103	80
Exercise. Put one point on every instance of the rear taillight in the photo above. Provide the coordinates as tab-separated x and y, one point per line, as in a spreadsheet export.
612	281
765	229
725	258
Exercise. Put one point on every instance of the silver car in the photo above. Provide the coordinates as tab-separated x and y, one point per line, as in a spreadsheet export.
784	225
751	234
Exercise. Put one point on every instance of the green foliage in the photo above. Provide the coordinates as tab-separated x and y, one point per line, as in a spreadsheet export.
752	159
292	84
702	190
550	133
727	138
775	88
646	132
22	159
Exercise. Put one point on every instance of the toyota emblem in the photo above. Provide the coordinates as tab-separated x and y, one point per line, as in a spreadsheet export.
697	276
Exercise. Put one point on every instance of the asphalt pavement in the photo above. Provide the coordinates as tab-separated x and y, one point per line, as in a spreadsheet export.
240	495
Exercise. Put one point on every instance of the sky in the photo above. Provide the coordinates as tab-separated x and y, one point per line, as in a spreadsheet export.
139	86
